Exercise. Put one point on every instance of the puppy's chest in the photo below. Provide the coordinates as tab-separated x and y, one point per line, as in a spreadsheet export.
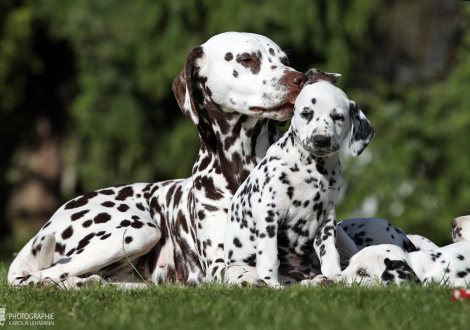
312	189
296	236
313	201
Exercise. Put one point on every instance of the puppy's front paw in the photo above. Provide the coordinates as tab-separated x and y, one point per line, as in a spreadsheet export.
276	286
317	280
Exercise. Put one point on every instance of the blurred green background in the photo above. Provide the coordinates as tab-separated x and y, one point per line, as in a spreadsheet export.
86	101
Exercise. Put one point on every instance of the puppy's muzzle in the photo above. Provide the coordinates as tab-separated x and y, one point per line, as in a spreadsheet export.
321	141
322	145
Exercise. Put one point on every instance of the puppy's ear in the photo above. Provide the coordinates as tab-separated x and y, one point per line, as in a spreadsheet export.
315	75
362	130
397	272
183	83
387	262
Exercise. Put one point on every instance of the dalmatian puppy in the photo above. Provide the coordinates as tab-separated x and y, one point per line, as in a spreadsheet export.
233	88
387	263
284	213
372	231
461	229
421	242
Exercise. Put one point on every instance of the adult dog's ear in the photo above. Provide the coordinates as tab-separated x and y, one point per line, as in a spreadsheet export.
362	130
315	75
183	83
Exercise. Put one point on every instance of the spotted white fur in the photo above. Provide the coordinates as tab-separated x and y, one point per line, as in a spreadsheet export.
386	263
461	229
373	231
421	242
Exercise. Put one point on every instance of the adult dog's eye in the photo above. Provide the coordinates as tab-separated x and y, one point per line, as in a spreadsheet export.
284	60
338	117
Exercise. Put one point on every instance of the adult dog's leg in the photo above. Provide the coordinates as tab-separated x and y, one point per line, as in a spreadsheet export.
97	233
242	275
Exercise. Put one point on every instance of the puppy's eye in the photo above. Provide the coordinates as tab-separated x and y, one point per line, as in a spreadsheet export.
338	117
362	272
247	60
306	115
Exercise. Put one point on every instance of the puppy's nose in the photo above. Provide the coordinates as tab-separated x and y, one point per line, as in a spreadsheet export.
299	79
321	141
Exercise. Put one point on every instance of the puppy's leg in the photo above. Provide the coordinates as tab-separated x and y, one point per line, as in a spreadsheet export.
325	247
267	262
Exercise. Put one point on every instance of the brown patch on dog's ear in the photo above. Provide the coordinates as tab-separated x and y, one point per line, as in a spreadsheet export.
315	75
183	84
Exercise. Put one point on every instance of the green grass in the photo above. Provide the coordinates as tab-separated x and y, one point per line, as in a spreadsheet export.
223	307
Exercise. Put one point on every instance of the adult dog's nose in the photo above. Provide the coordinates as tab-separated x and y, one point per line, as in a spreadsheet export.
299	79
321	141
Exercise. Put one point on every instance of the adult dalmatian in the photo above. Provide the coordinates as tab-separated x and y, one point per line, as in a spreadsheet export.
233	88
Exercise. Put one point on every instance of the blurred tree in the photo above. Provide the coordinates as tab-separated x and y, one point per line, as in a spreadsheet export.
35	89
415	173
17	60
119	122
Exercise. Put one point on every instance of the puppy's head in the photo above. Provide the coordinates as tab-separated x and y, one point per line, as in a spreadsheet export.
398	272
385	264
324	117
461	229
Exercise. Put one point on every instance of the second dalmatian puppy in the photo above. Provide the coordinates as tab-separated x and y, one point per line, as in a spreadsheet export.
284	213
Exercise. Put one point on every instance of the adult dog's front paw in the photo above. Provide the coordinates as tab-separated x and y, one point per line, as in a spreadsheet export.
249	278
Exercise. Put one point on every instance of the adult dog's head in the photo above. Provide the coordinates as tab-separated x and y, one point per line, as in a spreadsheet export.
238	73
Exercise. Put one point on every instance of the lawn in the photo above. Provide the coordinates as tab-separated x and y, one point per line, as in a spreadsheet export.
223	307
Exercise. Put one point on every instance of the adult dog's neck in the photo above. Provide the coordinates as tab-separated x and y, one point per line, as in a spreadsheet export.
234	142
